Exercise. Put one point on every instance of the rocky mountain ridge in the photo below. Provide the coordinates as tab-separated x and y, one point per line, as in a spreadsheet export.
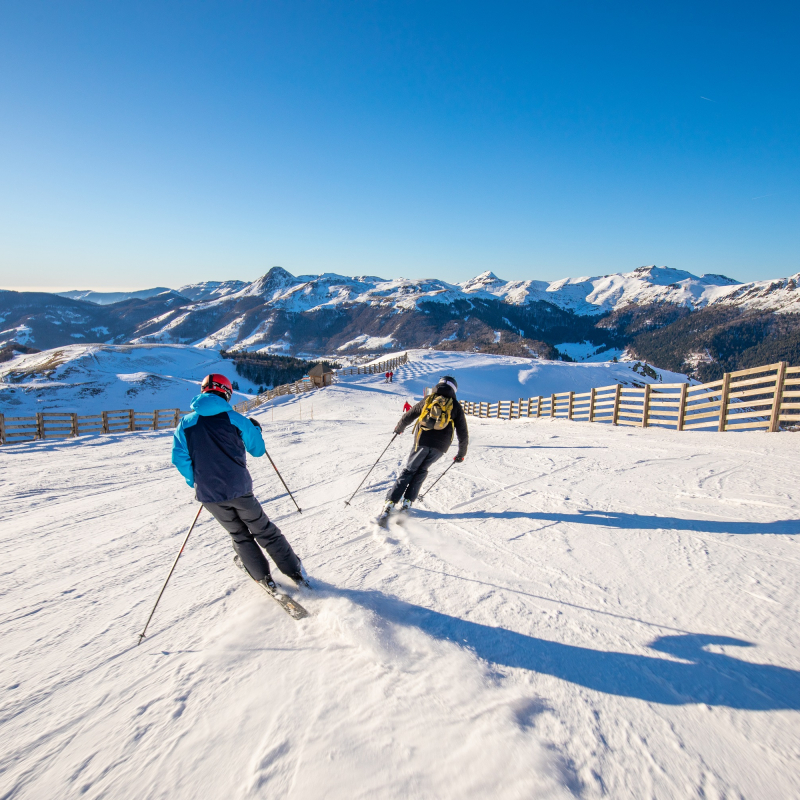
330	313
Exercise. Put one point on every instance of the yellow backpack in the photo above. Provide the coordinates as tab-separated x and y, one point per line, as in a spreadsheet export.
436	414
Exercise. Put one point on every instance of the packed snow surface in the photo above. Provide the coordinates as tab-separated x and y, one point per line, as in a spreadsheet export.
577	610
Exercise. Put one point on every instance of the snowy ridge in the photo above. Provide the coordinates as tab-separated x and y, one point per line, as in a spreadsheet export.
575	611
584	295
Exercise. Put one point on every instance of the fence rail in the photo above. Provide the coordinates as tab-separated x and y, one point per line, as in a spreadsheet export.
751	399
64	425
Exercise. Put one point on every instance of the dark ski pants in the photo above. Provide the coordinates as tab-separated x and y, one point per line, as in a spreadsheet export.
410	480
246	522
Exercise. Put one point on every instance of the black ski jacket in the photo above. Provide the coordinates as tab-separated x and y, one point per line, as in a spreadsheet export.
440	440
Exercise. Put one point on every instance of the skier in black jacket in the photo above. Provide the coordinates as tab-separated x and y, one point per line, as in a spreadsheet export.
438	416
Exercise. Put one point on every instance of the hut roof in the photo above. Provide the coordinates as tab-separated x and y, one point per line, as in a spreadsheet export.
320	369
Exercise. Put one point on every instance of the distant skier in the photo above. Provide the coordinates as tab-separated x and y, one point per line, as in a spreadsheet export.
391	376
208	449
406	406
438	416
386	377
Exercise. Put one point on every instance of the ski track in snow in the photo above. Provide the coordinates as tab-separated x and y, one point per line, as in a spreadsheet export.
576	611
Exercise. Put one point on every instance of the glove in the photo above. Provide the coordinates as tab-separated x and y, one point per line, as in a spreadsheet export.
398	430
255	422
458	459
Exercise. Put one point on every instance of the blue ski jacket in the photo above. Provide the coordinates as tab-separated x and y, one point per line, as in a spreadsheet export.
208	449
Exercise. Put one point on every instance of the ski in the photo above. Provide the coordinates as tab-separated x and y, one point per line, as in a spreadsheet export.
290	606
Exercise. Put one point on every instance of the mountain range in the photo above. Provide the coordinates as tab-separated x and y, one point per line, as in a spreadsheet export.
677	320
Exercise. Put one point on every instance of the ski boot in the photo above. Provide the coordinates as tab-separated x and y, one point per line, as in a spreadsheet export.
383	517
269	584
301	578
406	504
266	582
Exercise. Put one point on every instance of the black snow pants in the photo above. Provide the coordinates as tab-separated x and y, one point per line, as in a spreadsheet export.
246	522
410	480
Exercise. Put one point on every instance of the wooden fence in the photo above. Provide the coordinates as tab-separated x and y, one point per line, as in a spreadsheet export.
63	425
60	425
383	366
306	384
751	399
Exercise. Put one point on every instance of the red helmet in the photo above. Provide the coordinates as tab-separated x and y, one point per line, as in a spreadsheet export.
218	384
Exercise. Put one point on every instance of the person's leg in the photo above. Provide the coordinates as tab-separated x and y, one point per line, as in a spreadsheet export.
415	461
267	534
415	484
243	541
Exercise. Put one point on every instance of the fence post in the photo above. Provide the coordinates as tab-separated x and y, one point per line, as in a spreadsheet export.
646	404
155	420
498	409
176	418
39	426
682	406
552	405
104	415
591	405
519	409
617	398
774	418
131	419
2	429
723	401
74	420
539	406
569	407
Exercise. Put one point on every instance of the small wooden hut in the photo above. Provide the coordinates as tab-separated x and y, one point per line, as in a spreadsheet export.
321	375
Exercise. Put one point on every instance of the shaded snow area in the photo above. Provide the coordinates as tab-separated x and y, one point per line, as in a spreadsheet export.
575	611
88	379
586	351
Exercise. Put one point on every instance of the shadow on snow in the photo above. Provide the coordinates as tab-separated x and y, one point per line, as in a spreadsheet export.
706	677
623	520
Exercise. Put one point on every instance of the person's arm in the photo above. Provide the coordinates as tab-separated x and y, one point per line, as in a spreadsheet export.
409	417
180	455
251	434
460	422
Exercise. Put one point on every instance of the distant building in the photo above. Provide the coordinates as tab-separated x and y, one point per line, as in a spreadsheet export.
321	375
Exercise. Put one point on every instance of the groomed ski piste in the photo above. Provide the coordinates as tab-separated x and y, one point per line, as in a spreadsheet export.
577	610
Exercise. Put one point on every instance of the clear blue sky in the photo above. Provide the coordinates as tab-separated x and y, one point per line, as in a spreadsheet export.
163	143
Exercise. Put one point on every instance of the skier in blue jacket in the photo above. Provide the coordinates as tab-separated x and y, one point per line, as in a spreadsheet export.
208	449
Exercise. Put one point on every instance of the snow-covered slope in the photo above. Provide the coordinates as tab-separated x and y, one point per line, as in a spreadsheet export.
491	378
575	611
88	379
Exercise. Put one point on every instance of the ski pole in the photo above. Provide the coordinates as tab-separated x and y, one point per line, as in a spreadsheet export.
347	502
436	481
283	481
174	564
